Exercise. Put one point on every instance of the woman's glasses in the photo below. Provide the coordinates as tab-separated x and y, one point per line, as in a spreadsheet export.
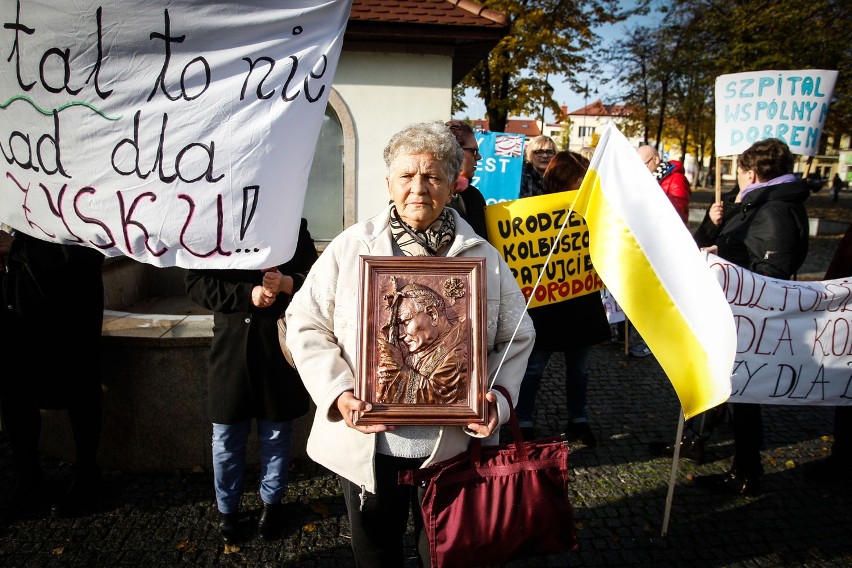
542	153
474	151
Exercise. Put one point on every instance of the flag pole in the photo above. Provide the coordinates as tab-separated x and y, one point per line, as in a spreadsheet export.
673	477
807	169
718	177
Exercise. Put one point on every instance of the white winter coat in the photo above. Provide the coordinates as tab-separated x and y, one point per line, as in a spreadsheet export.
323	335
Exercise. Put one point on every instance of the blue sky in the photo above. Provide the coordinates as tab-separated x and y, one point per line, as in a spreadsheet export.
562	93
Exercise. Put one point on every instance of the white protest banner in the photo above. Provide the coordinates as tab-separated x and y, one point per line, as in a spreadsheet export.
614	313
790	105
794	338
498	173
177	133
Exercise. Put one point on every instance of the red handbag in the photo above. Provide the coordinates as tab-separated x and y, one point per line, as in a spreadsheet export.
493	504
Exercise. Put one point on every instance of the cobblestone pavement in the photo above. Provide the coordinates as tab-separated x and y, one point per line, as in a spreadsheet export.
618	490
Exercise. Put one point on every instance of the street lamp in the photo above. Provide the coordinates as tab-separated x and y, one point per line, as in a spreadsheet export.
585	113
548	92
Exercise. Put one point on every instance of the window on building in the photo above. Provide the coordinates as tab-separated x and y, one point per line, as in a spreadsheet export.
330	198
586	131
324	199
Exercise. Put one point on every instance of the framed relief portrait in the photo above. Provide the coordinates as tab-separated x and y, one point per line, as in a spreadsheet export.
421	356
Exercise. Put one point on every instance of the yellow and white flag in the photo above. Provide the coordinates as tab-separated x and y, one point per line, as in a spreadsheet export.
649	262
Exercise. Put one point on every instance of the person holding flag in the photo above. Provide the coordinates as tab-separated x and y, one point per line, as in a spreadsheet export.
423	162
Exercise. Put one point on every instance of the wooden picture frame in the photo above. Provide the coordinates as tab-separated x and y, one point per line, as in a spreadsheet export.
430	366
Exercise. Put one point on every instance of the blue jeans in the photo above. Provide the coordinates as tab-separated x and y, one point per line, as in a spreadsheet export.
229	461
576	383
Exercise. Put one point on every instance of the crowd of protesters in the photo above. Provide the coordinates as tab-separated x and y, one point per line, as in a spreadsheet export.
434	211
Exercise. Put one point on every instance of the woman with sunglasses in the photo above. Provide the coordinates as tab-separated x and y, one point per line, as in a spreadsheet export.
537	155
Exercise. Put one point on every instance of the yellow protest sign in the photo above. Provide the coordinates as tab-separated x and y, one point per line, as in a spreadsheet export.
525	230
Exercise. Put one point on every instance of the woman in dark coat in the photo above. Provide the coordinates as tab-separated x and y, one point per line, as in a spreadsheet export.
764	230
571	326
249	378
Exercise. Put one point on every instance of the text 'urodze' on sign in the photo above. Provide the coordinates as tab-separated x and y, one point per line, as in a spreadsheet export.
525	230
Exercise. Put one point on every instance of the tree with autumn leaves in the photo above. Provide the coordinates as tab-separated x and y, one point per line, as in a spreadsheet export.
668	73
665	73
545	38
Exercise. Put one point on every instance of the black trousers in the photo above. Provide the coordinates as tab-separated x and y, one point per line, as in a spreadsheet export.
748	438
378	522
841	449
21	397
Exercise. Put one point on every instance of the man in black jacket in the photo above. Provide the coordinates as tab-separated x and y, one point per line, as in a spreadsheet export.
467	199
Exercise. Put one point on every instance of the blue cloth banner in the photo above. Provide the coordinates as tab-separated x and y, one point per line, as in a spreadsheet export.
498	173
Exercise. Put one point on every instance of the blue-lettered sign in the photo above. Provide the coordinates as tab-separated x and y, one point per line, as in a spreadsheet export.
790	105
498	173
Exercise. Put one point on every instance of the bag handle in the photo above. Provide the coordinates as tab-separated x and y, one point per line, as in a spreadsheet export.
517	438
410	476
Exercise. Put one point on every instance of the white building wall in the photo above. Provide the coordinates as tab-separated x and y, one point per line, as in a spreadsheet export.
384	92
583	145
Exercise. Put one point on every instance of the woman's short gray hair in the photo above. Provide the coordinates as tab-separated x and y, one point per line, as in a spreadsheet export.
433	138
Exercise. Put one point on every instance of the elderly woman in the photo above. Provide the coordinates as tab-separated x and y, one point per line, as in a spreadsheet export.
423	163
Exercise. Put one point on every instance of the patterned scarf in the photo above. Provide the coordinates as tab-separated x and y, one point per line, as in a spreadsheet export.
661	171
423	243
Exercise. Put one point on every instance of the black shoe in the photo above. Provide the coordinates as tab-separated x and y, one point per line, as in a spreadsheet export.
229	527
25	497
580	431
271	522
82	497
730	483
691	448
